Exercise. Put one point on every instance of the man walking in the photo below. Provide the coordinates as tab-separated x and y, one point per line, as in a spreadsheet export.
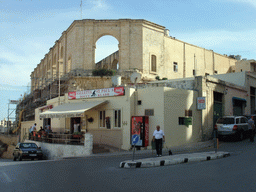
158	138
251	128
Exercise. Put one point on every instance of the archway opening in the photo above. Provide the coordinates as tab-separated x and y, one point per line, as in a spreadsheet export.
106	53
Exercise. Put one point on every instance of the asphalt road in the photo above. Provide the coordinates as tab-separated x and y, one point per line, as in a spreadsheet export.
102	173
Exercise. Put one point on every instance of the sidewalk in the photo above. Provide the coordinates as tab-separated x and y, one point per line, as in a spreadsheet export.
181	154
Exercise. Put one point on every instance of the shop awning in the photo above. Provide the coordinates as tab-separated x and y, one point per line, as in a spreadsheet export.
71	109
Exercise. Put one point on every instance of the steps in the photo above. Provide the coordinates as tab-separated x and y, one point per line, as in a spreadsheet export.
99	149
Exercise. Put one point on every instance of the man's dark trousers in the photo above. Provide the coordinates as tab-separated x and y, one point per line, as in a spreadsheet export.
159	146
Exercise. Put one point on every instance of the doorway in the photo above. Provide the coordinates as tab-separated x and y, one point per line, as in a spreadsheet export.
75	120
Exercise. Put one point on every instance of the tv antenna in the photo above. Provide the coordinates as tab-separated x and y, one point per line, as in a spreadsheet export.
81	6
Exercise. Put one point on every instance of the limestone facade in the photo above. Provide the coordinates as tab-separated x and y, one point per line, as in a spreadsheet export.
143	45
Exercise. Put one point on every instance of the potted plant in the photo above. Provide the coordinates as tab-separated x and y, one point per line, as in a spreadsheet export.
90	120
77	135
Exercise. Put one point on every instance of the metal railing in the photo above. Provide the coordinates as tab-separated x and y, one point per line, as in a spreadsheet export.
68	139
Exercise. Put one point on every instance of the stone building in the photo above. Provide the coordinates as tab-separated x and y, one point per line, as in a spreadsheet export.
144	47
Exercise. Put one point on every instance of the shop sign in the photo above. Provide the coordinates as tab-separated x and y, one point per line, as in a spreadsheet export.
106	92
188	121
201	103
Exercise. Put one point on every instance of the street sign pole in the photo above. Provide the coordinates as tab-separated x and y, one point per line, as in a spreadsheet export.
135	139
133	152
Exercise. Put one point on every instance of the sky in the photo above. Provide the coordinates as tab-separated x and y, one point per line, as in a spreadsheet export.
29	28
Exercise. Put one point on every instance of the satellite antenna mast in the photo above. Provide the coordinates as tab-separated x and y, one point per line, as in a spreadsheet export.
81	6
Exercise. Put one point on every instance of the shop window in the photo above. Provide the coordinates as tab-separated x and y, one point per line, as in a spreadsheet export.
175	66
153	63
118	118
102	119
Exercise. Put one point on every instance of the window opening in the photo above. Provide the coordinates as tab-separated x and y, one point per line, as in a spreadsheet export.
153	63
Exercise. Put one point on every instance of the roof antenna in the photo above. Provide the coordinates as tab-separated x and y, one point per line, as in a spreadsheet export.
81	6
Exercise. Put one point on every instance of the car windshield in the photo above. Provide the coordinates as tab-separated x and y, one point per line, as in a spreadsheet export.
28	145
226	120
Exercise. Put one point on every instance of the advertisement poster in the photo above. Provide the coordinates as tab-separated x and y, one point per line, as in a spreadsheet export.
137	123
140	127
94	93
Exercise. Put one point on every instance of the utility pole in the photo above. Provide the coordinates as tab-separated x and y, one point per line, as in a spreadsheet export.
81	6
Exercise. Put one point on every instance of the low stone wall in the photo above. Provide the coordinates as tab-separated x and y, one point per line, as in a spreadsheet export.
58	151
11	141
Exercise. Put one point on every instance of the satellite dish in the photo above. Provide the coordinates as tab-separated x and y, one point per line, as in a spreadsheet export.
135	77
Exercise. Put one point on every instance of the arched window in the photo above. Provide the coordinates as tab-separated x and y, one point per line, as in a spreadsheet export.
153	63
115	64
69	64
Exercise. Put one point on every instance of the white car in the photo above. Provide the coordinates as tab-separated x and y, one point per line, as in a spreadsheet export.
232	126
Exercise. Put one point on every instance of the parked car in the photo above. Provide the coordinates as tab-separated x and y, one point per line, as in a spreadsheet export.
27	151
232	126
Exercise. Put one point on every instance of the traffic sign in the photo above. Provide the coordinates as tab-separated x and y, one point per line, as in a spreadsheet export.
135	139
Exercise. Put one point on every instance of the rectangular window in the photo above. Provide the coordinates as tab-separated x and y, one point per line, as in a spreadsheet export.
188	113
118	118
175	66
153	63
102	119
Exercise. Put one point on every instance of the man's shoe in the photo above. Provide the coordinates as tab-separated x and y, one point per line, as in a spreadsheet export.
160	155
157	155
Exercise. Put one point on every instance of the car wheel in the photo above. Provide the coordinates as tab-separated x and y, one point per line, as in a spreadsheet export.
20	158
40	158
32	159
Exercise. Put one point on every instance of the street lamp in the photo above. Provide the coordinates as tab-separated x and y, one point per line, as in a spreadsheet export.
60	61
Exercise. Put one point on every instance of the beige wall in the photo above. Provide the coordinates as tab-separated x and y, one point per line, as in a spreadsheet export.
138	40
168	104
176	102
25	126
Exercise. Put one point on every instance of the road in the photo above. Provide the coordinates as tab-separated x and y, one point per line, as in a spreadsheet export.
102	173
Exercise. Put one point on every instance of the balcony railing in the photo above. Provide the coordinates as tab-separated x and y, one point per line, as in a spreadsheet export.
68	139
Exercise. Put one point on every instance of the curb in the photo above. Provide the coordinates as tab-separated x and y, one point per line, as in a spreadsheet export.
174	159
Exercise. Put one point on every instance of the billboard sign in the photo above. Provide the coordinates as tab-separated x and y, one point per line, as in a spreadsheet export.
95	93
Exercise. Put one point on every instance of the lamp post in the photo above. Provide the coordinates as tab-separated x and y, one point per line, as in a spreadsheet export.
60	62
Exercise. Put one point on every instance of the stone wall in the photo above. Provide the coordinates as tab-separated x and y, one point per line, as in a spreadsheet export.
58	151
11	141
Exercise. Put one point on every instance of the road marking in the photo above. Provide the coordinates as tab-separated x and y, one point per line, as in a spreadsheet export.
7	177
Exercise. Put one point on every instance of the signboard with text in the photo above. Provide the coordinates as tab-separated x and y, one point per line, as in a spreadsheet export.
201	103
106	92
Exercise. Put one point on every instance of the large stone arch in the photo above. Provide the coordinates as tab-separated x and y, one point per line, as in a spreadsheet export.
87	32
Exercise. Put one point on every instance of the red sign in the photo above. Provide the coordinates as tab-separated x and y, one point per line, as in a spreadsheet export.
140	127
106	92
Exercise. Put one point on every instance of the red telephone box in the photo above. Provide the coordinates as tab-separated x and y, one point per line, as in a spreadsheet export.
140	127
